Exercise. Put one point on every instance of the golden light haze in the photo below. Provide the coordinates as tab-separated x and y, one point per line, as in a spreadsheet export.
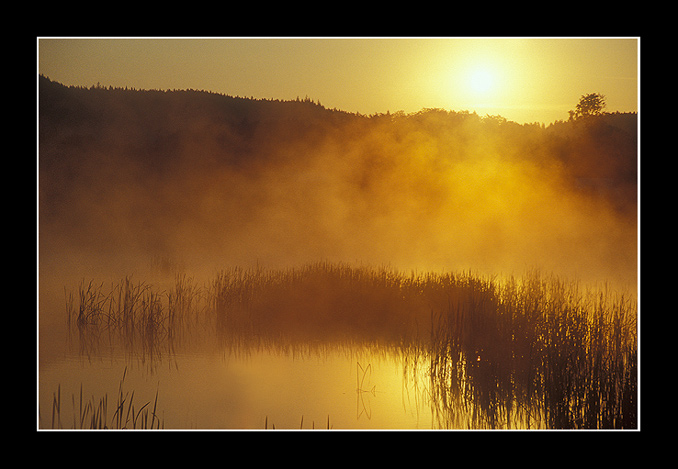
521	79
225	249
428	190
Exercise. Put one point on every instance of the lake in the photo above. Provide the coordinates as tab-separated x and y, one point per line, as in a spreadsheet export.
204	383
251	389
338	347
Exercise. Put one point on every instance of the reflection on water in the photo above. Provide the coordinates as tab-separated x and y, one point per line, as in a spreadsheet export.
255	389
346	349
363	390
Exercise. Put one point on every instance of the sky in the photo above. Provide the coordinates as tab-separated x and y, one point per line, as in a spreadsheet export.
521	79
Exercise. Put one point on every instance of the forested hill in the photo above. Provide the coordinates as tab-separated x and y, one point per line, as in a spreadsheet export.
155	168
157	120
158	125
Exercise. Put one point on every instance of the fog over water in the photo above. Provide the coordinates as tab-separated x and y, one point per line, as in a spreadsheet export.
262	262
207	181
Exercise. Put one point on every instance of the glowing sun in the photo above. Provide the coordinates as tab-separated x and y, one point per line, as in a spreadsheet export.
481	80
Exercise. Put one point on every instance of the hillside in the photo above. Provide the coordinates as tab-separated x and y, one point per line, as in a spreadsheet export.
198	175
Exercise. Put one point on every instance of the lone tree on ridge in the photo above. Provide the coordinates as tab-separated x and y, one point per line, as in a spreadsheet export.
591	104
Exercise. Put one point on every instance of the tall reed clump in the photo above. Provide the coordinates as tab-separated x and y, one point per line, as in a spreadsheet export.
535	352
142	317
321	301
95	414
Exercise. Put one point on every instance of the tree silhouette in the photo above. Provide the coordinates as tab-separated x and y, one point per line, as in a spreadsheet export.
591	104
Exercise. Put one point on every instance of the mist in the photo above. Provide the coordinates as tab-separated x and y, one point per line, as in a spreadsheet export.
210	181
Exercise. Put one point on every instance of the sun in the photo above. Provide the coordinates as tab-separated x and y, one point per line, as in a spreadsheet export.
481	81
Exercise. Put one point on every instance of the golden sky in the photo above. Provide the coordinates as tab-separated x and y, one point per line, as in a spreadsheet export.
522	79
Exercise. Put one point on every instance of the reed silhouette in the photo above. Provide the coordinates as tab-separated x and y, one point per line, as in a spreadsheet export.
529	352
193	182
93	414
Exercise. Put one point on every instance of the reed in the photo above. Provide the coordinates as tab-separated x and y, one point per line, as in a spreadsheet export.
301	424
320	301
93	414
537	352
530	351
145	319
534	351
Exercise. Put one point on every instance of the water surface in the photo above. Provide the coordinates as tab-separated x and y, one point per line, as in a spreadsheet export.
343	387
341	348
